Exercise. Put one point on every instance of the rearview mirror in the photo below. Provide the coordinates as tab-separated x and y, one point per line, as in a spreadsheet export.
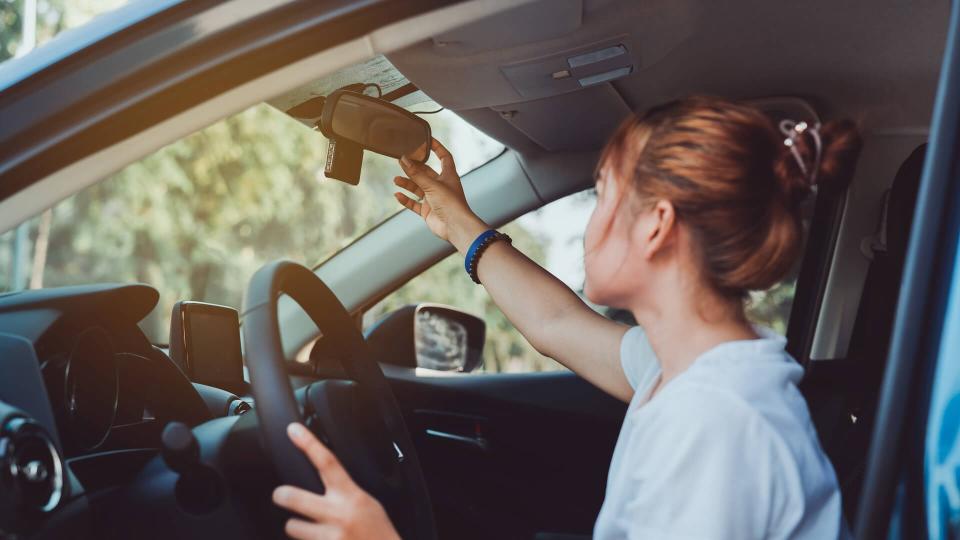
376	125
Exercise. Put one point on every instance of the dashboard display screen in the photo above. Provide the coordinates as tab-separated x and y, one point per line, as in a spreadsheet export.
213	345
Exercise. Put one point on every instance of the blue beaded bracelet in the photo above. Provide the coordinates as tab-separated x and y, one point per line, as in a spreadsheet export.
477	248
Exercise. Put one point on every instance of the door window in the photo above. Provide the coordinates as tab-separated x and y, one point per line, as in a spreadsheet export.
553	237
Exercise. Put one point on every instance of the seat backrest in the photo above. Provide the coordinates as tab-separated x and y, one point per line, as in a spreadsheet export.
870	341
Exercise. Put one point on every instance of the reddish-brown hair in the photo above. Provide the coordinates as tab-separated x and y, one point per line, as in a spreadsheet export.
731	180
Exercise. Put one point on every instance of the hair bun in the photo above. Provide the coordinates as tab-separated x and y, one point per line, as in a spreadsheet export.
839	144
711	158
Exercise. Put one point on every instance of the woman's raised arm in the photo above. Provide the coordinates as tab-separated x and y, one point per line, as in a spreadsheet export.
548	314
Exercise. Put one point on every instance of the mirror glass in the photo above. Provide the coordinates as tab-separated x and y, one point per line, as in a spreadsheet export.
381	127
440	342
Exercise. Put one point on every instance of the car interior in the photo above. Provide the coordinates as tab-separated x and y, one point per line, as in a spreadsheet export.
145	439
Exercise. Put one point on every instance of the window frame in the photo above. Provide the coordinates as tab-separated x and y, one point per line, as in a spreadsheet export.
896	446
815	265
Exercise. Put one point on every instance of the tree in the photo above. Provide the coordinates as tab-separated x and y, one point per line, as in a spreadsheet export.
53	17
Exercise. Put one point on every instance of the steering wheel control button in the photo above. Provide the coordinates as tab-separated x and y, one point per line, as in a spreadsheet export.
31	474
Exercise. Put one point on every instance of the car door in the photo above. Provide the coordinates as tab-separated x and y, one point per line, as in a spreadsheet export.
910	489
511	455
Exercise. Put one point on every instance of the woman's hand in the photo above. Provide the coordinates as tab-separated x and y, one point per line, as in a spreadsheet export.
344	512
442	204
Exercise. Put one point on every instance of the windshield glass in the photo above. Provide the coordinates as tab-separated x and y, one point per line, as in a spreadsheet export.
198	217
27	24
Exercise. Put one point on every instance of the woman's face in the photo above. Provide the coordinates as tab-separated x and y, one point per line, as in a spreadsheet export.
611	273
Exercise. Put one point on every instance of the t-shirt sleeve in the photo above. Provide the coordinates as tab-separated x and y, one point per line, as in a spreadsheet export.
693	480
637	358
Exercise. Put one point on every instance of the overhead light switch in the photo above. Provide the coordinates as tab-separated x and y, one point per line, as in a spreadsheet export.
605	76
594	57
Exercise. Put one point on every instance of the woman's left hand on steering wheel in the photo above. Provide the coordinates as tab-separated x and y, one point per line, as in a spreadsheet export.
344	512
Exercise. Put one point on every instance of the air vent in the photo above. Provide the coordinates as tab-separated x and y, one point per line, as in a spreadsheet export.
238	407
31	472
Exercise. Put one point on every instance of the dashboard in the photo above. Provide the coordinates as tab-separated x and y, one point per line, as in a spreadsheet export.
93	390
100	371
84	399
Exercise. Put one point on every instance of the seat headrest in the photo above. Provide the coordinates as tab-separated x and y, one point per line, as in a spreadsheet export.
902	200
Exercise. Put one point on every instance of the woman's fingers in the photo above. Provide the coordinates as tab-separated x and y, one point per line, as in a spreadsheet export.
302	502
408	185
345	511
446	159
420	173
412	205
305	530
332	473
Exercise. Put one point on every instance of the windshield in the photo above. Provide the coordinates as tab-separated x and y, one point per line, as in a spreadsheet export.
27	24
198	217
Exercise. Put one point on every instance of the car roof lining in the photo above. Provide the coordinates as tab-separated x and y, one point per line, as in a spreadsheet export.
851	59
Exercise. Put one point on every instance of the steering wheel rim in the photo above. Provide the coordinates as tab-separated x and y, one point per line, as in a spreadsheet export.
275	403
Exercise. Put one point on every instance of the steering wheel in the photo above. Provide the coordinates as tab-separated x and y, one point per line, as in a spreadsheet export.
358	418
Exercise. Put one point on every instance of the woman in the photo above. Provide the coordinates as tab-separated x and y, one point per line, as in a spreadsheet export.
697	204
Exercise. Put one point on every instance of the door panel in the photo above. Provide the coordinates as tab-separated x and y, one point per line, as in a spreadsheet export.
510	455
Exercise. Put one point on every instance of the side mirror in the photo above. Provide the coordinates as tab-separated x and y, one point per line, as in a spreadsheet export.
431	336
375	125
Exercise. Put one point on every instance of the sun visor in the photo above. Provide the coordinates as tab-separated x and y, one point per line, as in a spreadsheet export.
573	121
572	69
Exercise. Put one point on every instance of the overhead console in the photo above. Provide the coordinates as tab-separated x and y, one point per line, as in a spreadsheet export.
525	53
572	69
550	79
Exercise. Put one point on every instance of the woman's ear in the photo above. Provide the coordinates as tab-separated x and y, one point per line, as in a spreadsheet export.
660	228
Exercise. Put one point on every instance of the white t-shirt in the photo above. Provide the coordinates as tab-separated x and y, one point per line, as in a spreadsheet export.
726	450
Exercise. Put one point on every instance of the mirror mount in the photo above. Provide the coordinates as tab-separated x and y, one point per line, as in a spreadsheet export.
353	122
344	161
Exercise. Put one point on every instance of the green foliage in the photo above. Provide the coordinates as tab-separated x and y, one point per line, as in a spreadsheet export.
198	217
53	16
11	25
771	308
